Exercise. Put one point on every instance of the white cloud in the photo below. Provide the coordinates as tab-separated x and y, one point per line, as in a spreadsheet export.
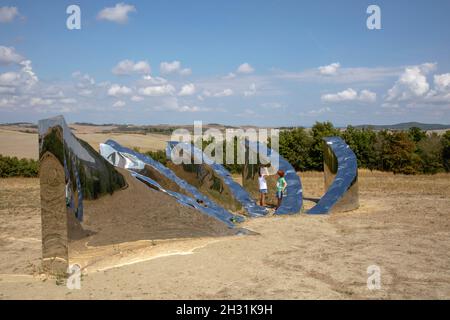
251	91
8	14
189	109
27	71
272	105
9	78
319	111
367	96
187	90
117	90
127	67
8	56
412	83
154	80
174	67
224	93
137	98
350	95
9	90
245	68
118	13
442	82
38	101
85	78
68	101
330	70
155	91
119	104
349	76
231	75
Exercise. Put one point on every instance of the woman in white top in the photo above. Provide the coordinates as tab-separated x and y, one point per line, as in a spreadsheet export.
262	188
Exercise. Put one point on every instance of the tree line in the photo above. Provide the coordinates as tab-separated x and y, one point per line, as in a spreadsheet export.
411	151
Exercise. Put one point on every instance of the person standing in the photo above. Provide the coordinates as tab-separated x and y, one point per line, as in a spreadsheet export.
281	187
262	188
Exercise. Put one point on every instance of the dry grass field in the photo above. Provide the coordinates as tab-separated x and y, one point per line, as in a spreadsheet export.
402	226
25	145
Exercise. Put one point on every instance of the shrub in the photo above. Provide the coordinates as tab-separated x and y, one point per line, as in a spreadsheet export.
14	167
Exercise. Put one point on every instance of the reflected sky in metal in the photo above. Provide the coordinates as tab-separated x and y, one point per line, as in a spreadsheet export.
135	160
239	193
293	201
346	176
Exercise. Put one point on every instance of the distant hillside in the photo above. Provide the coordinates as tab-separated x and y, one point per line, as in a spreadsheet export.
406	126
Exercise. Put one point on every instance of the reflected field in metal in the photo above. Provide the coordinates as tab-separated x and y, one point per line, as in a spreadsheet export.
341	178
158	176
213	180
293	199
70	172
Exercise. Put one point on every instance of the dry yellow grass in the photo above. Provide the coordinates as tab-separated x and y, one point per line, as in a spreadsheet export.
403	226
19	144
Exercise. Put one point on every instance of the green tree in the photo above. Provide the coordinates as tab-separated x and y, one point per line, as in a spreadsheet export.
319	131
362	142
416	134
430	151
446	150
295	147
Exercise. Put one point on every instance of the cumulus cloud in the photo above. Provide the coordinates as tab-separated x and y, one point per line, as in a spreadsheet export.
442	82
330	69
350	95
319	111
229	76
8	14
8	55
137	98
187	90
9	78
155	91
224	93
38	101
251	91
412	83
119	104
23	79
154	80
245	68
116	90
174	67
127	67
118	13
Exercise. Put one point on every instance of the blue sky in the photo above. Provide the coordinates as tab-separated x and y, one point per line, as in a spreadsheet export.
233	62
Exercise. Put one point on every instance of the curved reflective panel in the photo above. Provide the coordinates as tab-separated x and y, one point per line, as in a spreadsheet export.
164	179
70	172
341	178
213	179
293	199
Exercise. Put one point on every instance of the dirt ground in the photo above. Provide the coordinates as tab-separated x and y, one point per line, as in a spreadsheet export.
402	226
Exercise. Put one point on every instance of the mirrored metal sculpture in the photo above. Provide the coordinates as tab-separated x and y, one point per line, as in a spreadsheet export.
212	179
86	203
70	172
341	178
156	175
293	198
